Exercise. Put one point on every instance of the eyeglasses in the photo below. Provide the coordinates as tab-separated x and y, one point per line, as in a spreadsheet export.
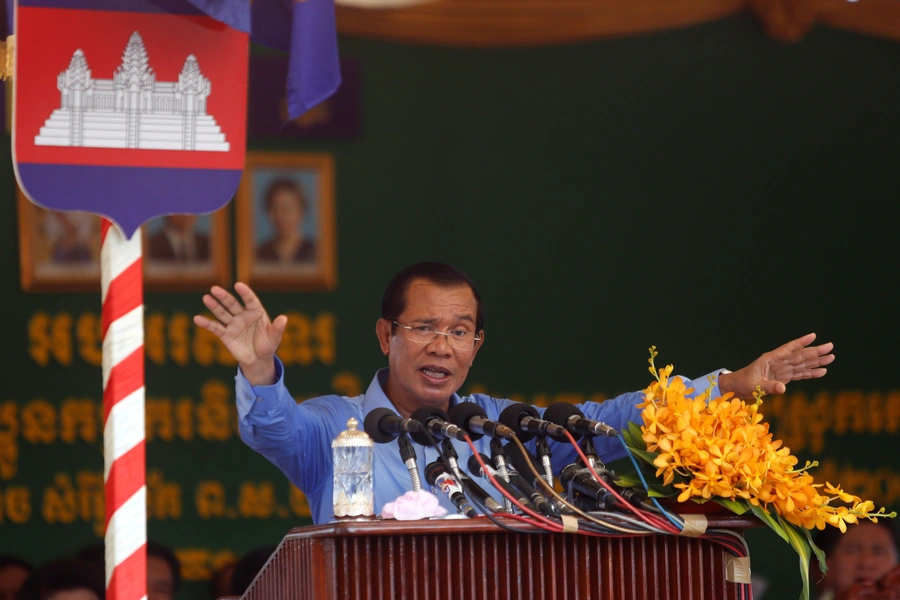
458	339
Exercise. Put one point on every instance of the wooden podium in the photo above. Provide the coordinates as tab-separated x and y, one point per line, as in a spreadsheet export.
475	559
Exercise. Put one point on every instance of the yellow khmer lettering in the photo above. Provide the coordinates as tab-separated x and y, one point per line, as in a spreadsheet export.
59	500
209	499
163	497
78	419
15	504
194	563
88	332
256	500
215	414
155	337
347	384
9	446
179	349
39	422
158	419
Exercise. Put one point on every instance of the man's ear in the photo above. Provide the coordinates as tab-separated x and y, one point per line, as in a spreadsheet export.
478	346
383	331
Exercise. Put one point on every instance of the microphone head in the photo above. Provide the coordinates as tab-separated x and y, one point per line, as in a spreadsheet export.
370	425
520	461
462	413
560	413
513	414
432	470
567	474
422	415
474	467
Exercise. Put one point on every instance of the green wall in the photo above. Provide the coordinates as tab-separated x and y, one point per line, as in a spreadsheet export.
707	190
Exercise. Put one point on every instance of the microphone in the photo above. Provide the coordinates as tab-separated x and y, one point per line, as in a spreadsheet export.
434	421
581	480
436	475
408	455
568	415
526	422
473	419
472	489
476	470
383	425
537	498
523	478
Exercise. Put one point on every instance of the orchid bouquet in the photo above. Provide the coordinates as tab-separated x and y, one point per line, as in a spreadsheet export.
719	449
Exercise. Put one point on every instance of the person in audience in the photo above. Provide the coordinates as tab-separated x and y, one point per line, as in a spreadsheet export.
859	558
65	579
13	573
163	572
163	568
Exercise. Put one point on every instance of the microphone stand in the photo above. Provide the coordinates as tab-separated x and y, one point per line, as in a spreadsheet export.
498	457
543	452
408	455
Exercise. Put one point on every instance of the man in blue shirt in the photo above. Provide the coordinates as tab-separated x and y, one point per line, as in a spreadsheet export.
431	330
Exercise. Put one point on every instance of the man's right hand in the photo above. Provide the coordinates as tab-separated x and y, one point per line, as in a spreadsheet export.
245	330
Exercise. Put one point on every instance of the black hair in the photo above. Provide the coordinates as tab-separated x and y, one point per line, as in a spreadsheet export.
394	301
63	575
284	185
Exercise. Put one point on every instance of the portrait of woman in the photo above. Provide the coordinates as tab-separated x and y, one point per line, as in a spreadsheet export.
286	206
285	222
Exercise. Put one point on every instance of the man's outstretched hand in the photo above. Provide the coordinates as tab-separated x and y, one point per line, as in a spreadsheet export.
773	370
245	329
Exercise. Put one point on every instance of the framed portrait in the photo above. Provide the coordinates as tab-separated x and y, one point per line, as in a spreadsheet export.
58	250
286	222
184	252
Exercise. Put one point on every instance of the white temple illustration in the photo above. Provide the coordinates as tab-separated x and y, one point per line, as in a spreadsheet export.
132	110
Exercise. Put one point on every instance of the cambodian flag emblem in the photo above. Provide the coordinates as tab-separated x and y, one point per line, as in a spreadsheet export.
130	110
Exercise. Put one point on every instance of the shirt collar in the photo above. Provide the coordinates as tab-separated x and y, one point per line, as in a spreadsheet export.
376	398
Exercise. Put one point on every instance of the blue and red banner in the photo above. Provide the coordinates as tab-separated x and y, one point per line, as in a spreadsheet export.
130	110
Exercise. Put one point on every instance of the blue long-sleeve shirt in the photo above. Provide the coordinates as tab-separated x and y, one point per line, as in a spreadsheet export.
297	437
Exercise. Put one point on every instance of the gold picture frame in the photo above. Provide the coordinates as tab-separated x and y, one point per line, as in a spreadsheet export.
286	222
187	252
58	251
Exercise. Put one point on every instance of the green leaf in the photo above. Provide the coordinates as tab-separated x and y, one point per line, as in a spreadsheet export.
738	507
647	457
637	436
655	488
798	541
763	515
820	556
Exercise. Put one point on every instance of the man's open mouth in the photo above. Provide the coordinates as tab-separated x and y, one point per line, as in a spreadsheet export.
435	372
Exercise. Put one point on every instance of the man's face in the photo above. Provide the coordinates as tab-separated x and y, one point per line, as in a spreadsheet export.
160	579
428	374
864	554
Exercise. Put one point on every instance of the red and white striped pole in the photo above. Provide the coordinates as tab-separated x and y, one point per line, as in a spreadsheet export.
123	414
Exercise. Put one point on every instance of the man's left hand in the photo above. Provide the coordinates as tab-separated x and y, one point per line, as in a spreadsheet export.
771	371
